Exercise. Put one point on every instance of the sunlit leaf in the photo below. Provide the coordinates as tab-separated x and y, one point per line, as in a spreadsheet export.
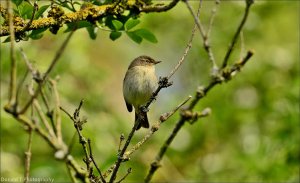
25	10
144	33
131	23
136	38
40	12
117	24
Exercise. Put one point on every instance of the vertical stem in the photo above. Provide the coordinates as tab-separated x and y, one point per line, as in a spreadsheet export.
120	158
237	33
28	156
13	73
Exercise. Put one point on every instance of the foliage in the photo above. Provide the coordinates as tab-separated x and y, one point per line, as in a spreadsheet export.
252	134
120	22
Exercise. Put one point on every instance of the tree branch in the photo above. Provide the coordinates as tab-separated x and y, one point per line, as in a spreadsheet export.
154	128
159	7
28	156
204	35
237	33
45	76
202	91
90	13
11	106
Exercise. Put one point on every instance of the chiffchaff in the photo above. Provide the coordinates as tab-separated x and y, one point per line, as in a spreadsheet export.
138	85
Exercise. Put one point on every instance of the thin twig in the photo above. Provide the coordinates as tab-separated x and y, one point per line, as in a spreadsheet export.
26	121
45	76
242	44
94	162
35	8
164	81
27	62
204	35
120	156
196	19
108	172
202	91
199	94
77	122
188	47
56	114
212	18
80	173
43	118
20	85
73	178
28	156
127	173
159	8
154	128
237	33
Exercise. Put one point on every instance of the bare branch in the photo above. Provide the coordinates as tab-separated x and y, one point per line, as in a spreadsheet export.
56	114
154	128
201	92
43	118
90	13
108	172
128	172
11	106
35	8
237	33
164	81
159	7
204	35
80	173
120	155
187	49
45	76
28	156
94	162
197	20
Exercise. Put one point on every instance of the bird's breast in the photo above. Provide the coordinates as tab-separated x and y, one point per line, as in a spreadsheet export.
139	84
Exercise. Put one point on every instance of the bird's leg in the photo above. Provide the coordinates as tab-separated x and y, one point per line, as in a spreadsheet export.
144	109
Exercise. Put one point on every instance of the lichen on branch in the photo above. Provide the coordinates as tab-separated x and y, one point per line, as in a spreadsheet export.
57	17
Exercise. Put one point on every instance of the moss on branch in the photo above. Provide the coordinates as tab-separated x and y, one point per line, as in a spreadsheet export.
57	17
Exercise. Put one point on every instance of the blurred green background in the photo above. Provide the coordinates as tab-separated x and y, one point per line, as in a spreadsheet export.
251	136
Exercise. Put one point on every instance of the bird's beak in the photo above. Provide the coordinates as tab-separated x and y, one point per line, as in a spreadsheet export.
157	62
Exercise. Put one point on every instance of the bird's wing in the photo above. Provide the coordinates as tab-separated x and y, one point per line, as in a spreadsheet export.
129	106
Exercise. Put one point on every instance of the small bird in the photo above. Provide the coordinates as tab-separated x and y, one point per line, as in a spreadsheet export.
138	85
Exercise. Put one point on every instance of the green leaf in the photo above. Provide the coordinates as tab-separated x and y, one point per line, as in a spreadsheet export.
144	33
136	38
17	2
131	23
117	24
37	34
2	20
40	12
115	35
92	32
6	40
25	10
78	25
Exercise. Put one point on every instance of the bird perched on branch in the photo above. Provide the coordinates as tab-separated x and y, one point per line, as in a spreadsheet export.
138	86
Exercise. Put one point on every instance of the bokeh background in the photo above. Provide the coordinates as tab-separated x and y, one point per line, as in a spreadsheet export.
252	134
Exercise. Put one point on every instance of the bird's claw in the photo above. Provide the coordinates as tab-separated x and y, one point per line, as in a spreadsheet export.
144	109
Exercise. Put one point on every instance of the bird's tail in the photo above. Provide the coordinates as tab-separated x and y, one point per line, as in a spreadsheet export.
142	118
